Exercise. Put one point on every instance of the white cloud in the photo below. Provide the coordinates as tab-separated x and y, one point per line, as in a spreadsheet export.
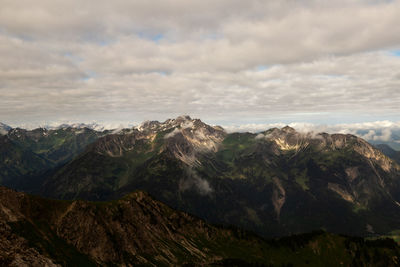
172	134
193	181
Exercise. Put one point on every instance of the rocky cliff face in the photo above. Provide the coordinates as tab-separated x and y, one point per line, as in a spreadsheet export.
14	249
357	187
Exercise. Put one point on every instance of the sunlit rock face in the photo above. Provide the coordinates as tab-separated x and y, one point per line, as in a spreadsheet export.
288	139
192	137
359	181
184	138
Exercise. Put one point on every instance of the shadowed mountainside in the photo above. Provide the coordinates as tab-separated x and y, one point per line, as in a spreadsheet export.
138	230
26	155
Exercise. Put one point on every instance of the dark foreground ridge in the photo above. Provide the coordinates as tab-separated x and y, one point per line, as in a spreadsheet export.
138	230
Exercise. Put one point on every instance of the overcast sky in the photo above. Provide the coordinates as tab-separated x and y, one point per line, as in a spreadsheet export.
228	62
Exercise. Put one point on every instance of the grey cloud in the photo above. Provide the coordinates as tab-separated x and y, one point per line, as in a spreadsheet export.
93	60
357	86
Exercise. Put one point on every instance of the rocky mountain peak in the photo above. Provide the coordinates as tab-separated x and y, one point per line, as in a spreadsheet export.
288	139
192	136
17	133
288	129
156	126
181	122
149	125
183	137
183	118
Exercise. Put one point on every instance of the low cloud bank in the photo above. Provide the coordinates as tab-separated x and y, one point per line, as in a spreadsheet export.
193	181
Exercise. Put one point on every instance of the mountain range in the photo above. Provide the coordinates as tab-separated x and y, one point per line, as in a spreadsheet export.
275	183
26	153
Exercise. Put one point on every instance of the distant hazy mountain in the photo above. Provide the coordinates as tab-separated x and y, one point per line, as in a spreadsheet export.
57	145
275	183
92	126
140	231
395	145
392	139
17	162
24	154
4	128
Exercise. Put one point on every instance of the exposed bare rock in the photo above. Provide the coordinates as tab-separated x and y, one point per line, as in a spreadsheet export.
352	173
115	145
190	138
341	192
16	251
184	139
287	139
370	152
